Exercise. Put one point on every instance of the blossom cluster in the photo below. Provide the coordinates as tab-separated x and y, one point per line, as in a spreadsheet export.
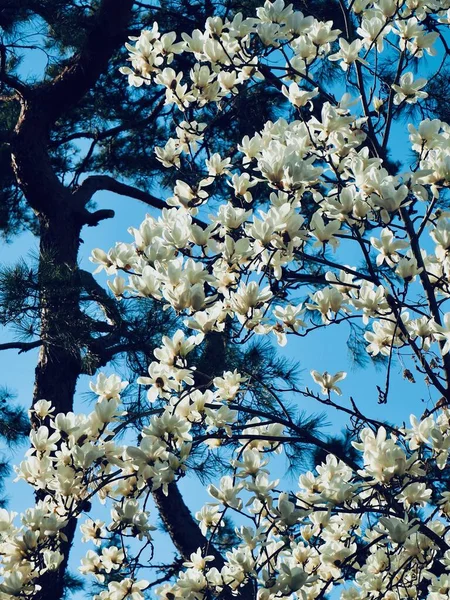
349	515
247	262
269	257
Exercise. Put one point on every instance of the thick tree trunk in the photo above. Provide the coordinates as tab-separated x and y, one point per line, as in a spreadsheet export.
60	226
59	363
184	531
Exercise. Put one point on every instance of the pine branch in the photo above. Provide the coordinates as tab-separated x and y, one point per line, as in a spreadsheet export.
107	30
112	131
21	346
10	80
100	295
96	183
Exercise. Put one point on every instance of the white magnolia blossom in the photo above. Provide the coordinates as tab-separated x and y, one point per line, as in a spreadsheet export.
371	523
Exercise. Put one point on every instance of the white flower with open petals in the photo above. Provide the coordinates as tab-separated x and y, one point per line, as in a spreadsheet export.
442	333
387	246
348	54
328	382
324	233
299	97
408	89
127	588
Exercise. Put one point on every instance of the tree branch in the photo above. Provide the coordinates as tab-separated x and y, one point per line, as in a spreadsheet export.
107	31
113	131
97	183
10	80
21	346
99	295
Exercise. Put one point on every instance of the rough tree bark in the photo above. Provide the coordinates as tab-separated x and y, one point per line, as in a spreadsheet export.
61	220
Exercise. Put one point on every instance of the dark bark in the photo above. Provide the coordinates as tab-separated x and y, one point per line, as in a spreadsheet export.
62	215
58	365
180	524
61	220
59	359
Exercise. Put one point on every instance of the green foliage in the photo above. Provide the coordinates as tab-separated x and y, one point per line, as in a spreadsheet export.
4	472
14	424
72	583
339	444
14	428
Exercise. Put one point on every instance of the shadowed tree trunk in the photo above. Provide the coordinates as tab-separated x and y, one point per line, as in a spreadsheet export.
60	222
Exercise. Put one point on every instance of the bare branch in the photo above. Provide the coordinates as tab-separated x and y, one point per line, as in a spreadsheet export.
21	346
96	183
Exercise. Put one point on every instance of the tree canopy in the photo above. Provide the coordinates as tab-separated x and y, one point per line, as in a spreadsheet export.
275	129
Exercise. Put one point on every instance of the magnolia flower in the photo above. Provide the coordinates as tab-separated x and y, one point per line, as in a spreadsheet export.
407	267
299	97
414	494
399	530
169	155
290	318
372	301
328	301
386	335
373	31
227	492
274	12
160	381
52	559
197	561
217	165
42	440
328	382
42	409
241	185
442	333
387	247
179	346
249	297
209	517
108	387
324	233
229	385
348	54
93	531
188	197
250	463
378	103
127	589
408	90
112	558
